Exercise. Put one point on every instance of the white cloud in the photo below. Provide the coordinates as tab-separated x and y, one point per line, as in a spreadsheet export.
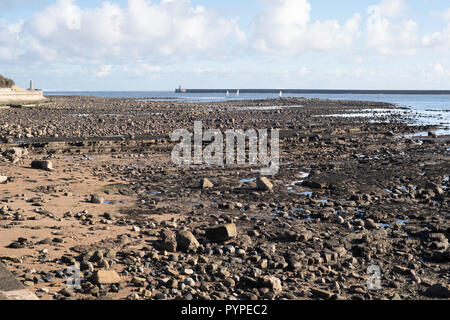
141	29
212	70
150	68
142	69
284	27
391	8
438	68
446	15
389	36
9	40
436	72
103	70
303	71
441	38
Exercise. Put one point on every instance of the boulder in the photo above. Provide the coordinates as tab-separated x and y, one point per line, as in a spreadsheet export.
313	184
169	245
320	293
206	184
438	290
106	277
96	198
42	165
221	233
3	179
370	224
271	282
186	241
263	184
109	215
14	154
166	234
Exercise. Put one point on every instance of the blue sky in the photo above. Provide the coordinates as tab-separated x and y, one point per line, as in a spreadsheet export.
157	45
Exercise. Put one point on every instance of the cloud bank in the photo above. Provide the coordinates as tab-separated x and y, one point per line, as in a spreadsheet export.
64	31
386	34
163	39
285	27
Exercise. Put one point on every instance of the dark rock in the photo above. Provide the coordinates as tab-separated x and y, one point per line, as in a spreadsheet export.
438	290
313	184
322	294
98	199
186	241
221	233
263	184
169	245
42	165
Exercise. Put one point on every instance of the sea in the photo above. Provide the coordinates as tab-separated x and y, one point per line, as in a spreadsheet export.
424	108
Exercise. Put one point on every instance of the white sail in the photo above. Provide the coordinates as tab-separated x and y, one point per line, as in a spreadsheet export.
281	94
228	93
237	92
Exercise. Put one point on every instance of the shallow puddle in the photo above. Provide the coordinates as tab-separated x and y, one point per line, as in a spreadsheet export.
368	113
82	115
384	225
195	204
114	202
263	108
402	222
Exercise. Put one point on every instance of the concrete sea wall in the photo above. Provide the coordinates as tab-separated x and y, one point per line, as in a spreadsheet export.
12	96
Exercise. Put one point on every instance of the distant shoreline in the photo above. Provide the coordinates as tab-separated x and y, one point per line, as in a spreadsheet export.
317	91
262	91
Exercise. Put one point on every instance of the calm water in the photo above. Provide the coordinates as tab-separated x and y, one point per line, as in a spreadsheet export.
428	109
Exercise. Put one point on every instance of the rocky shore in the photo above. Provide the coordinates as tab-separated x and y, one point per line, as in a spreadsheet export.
89	182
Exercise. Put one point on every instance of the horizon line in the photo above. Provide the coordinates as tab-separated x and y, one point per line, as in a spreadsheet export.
275	90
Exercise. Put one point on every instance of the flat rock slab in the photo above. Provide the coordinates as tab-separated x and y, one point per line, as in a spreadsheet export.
11	288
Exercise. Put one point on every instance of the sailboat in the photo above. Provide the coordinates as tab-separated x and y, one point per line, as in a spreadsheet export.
228	93
281	94
237	92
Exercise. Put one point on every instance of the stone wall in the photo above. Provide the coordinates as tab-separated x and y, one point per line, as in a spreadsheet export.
12	96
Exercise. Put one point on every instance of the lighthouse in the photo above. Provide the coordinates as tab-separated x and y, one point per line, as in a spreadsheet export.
180	90
31	86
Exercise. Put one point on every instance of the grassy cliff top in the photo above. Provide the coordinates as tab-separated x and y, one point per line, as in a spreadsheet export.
5	82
